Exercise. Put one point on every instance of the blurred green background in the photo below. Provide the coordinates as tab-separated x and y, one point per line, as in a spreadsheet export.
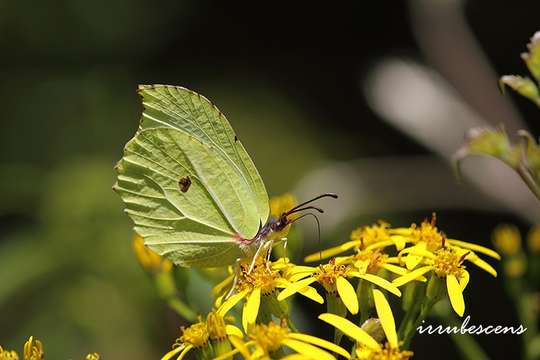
328	97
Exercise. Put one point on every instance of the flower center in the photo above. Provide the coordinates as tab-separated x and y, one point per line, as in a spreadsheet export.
260	277
448	262
8	355
390	353
33	349
368	235
269	337
216	326
196	334
327	275
429	234
373	258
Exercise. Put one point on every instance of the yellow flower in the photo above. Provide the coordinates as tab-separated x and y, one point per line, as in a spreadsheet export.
199	334
507	239
515	267
279	205
8	355
533	240
428	237
366	237
194	336
371	261
263	280
33	349
266	339
446	263
333	277
367	346
93	356
148	259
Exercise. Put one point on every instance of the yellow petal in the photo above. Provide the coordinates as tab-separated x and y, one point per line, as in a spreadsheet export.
363	353
307	349
296	357
399	241
233	330
350	329
312	294
281	283
474	247
362	266
239	345
173	352
464	280
379	245
230	302
401	231
413	275
184	352
347	294
386	317
455	294
302	269
320	342
340	260
394	269
222	285
331	251
219	301
482	264
295	287
308	291
298	276
379	281
251	308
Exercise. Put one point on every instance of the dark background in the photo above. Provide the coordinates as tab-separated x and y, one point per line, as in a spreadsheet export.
289	76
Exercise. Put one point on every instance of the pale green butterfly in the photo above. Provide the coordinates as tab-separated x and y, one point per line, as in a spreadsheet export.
189	185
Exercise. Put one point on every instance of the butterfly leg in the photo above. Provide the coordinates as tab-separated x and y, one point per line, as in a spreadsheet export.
235	278
256	256
270	245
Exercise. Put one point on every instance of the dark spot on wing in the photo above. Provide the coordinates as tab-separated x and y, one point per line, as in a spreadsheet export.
235	138
184	184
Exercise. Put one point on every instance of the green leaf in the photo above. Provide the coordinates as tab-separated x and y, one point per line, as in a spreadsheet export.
522	85
490	142
530	156
532	58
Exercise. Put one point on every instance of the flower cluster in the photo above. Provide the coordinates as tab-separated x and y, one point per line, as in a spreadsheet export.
33	350
417	265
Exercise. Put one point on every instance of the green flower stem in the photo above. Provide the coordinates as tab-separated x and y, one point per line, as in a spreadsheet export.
524	302
166	288
413	309
363	292
411	330
291	325
525	305
334	305
182	309
528	179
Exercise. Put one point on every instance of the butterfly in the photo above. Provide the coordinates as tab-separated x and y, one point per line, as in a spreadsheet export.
190	186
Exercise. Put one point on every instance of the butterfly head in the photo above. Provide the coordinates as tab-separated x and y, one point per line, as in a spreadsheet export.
286	219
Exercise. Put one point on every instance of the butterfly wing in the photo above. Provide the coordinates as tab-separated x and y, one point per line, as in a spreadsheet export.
190	192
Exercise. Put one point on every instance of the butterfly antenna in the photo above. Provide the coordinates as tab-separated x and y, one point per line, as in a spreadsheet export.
332	195
318	225
304	208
